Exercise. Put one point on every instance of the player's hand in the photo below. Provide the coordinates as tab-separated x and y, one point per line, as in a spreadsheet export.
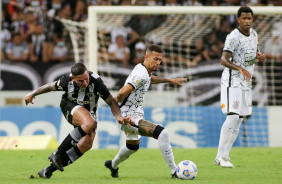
125	121
28	98
178	81
261	57
246	74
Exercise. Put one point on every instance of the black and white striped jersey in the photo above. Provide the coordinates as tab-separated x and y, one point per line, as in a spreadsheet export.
140	80
244	51
86	97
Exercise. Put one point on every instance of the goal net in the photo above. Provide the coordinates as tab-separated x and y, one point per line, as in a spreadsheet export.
192	40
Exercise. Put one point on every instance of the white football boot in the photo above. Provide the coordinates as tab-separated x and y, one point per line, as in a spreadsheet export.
225	162
217	161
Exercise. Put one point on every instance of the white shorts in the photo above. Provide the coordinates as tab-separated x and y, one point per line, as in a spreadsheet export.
236	100
132	133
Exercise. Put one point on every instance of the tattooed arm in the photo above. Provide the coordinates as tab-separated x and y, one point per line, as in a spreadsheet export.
43	89
177	81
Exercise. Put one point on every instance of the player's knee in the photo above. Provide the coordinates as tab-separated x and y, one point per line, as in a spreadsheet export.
133	147
89	126
233	118
158	130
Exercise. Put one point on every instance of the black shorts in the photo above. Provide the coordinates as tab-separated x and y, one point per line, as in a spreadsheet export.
66	108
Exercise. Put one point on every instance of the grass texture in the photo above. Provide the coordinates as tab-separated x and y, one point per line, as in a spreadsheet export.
252	165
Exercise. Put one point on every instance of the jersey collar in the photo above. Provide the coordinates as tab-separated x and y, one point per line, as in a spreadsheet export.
243	33
146	69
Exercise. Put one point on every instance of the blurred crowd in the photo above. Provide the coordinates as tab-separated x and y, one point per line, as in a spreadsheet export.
32	34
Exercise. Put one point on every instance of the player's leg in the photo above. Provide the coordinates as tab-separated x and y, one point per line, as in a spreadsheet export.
246	110
124	153
85	124
233	136
73	154
80	148
132	146
225	133
231	105
149	129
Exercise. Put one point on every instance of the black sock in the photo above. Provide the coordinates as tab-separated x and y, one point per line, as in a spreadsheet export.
52	168
74	136
73	154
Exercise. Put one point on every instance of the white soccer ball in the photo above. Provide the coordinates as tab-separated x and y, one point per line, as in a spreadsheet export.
186	170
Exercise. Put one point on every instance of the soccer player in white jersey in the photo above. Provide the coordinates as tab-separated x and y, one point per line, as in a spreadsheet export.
130	98
239	55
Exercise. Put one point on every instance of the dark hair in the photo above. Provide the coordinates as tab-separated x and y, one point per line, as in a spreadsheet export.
78	69
155	48
244	9
16	34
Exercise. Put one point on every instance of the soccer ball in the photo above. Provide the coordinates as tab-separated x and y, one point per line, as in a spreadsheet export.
186	170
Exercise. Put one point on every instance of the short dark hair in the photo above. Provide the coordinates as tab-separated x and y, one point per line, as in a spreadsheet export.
155	48
78	69
244	9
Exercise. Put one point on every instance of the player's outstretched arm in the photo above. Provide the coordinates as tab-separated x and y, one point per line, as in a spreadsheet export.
116	112
177	81
43	89
227	63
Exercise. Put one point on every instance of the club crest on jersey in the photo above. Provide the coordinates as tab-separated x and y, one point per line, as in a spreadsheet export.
235	104
91	88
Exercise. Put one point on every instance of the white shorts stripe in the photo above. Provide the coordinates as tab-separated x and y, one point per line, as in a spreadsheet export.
74	109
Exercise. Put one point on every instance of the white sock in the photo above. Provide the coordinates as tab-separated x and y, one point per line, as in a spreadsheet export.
122	155
232	137
166	150
226	131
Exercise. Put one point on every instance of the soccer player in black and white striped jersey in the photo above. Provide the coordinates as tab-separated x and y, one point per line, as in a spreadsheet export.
239	54
79	104
130	98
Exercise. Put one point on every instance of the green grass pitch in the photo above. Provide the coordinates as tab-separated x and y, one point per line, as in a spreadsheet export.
253	165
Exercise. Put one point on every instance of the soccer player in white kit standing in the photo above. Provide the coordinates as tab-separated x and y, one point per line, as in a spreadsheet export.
130	98
239	54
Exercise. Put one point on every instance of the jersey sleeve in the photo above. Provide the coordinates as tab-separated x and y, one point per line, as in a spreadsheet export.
102	89
135	81
62	83
230	44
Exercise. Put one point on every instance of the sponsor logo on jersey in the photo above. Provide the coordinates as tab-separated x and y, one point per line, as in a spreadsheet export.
249	59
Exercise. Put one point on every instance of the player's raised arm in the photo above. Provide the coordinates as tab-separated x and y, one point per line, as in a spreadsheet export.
225	61
43	89
177	81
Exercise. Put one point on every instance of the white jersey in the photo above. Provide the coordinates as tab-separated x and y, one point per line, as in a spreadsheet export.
243	49
140	80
